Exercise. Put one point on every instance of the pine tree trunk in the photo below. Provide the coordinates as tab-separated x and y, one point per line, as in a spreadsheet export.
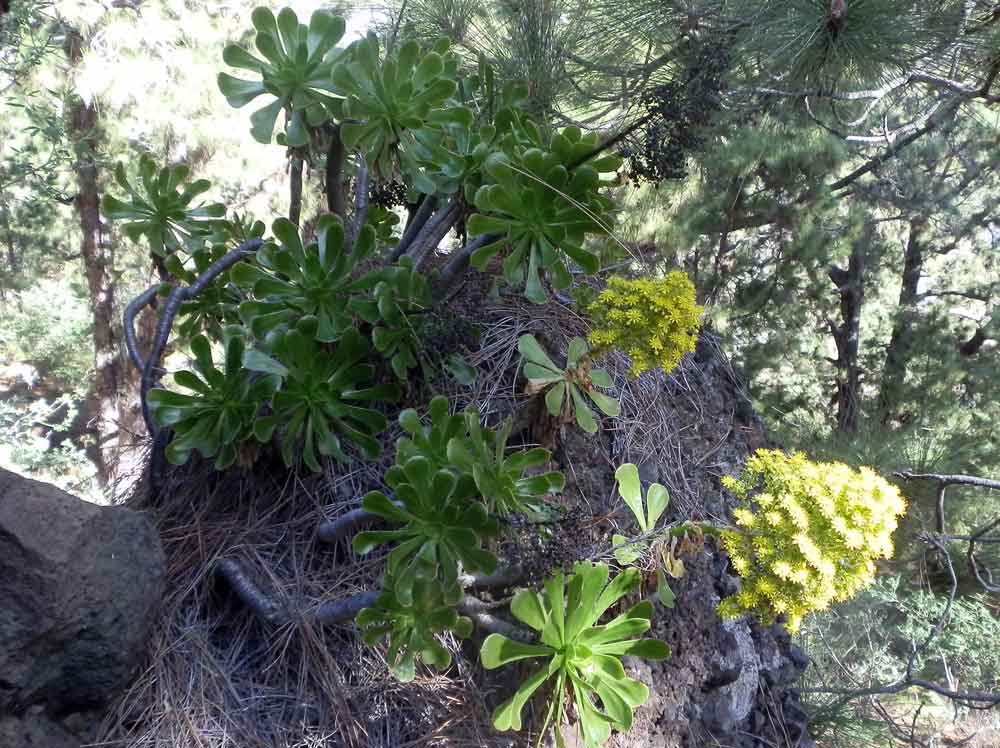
847	334
899	352
98	262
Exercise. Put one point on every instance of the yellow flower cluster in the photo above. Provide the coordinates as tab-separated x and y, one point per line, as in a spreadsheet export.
655	322
807	534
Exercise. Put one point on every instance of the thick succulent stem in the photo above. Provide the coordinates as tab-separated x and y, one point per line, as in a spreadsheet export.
295	190
361	183
336	612
132	311
334	170
346	524
151	366
433	232
263	605
416	223
476	610
342	611
458	262
505	577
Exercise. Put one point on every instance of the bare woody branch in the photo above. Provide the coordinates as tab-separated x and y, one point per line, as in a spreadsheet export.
970	699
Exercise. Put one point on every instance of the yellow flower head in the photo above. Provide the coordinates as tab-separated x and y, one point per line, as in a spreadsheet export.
654	321
806	534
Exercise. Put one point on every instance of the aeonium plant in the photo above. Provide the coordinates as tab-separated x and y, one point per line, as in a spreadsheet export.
565	387
581	656
161	207
411	627
296	70
221	410
291	279
324	395
441	527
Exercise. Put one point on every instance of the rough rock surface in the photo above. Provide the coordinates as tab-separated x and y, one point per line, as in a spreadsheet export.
36	729
79	587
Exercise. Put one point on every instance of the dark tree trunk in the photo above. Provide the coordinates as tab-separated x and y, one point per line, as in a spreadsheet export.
900	350
98	262
846	334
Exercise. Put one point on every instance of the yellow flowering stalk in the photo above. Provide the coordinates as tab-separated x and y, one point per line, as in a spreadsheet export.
807	534
655	322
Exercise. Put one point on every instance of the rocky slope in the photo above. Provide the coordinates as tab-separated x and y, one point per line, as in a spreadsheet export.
220	675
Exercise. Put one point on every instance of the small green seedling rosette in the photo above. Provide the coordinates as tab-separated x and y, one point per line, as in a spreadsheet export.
565	387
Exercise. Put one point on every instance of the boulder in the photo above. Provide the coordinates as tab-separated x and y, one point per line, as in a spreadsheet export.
35	729
79	587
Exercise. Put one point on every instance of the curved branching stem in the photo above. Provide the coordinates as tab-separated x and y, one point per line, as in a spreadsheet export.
336	612
262	604
435	230
416	223
944	481
132	311
936	543
983	576
151	367
361	184
970	699
458	262
980	536
334	175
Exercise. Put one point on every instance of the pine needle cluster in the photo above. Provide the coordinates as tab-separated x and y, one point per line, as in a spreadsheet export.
808	534
654	321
